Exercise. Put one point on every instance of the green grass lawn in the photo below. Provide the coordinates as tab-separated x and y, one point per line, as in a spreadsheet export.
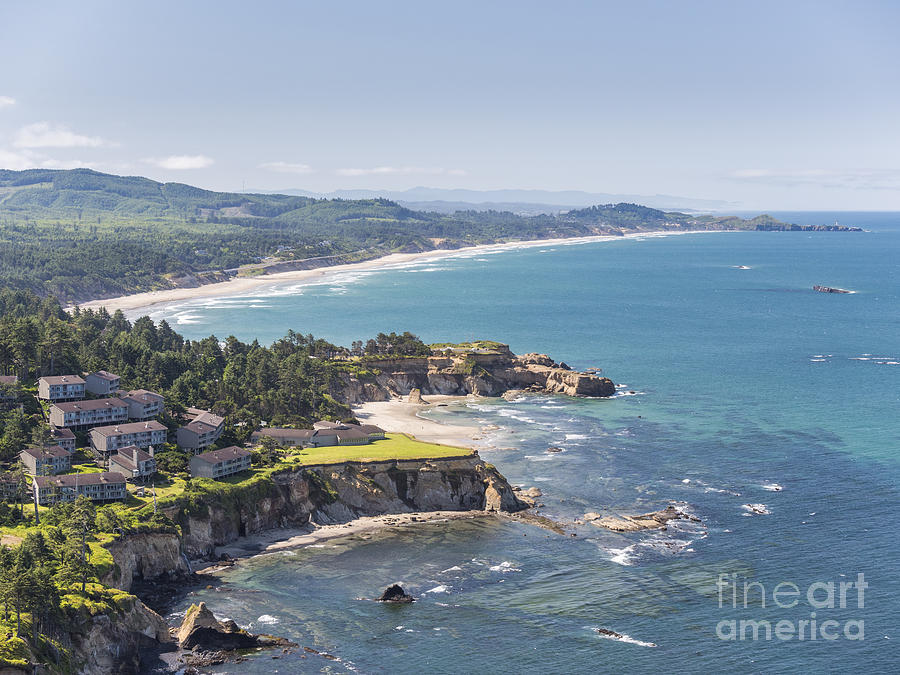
89	467
395	446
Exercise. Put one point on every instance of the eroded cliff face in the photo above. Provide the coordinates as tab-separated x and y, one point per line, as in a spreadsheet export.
111	643
342	492
487	374
145	557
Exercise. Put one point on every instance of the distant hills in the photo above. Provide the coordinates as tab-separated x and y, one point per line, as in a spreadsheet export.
525	202
79	234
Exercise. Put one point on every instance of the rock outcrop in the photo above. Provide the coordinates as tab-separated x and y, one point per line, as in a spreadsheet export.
485	374
415	397
395	594
202	632
145	557
111	643
646	521
342	492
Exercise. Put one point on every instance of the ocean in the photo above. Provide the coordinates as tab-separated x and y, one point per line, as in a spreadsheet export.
763	408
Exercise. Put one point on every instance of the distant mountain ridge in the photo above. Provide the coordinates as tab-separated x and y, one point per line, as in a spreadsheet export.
515	200
79	234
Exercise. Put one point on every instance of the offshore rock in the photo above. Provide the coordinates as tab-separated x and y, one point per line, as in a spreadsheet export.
647	521
201	631
395	593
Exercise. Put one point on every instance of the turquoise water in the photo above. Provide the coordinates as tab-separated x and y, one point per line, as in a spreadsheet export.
745	381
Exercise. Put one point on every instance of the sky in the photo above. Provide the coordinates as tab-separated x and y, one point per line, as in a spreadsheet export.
767	105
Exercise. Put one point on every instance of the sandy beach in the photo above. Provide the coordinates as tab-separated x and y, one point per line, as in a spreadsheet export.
273	541
245	285
401	416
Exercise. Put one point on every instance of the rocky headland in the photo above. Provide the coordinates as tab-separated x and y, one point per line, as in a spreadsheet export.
486	373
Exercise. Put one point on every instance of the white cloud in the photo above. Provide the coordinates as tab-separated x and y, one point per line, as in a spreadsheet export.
287	167
6	101
46	135
401	170
181	162
15	160
859	179
28	159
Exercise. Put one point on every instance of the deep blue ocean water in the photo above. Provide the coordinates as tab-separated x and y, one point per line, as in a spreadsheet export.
745	381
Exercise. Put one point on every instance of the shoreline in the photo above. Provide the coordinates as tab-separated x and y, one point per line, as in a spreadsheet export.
246	285
312	535
403	417
398	416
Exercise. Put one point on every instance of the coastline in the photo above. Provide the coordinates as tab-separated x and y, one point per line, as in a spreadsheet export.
246	285
311	535
397	416
403	417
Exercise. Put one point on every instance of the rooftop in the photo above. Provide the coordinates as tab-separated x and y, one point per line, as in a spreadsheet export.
348	432
142	395
216	456
199	427
125	457
9	379
75	479
62	433
210	418
62	379
41	453
130	428
276	432
90	404
104	375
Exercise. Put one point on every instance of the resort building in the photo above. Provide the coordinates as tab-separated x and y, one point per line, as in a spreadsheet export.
88	413
64	438
107	440
143	404
61	388
286	438
132	462
201	432
98	487
322	434
220	463
46	462
102	383
347	435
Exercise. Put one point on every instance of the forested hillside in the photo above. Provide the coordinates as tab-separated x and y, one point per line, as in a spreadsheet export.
79	234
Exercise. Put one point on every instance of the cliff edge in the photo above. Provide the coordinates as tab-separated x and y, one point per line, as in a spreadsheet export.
456	372
217	514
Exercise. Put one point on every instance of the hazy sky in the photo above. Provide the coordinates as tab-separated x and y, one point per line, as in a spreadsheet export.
767	104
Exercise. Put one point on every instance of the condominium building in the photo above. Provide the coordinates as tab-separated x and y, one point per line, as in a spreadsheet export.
89	413
101	383
220	463
46	461
143	404
61	388
106	440
100	487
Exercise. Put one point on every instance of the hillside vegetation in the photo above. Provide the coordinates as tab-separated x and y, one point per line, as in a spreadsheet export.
80	235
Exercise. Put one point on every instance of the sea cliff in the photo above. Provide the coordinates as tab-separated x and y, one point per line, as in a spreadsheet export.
339	493
489	373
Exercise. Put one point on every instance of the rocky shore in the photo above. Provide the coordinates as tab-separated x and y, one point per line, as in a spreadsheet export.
489	373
